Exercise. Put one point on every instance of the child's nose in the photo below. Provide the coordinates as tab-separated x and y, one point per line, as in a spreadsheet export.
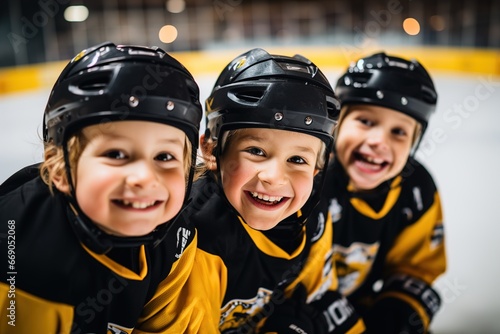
377	137
272	173
141	174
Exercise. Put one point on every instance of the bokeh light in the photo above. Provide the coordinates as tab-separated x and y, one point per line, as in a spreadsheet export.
168	34
411	26
437	22
76	13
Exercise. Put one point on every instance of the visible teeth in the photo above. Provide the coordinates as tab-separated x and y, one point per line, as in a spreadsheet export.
138	205
374	160
267	198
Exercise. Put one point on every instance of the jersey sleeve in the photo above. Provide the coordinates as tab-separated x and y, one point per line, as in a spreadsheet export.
419	250
207	284
174	307
416	258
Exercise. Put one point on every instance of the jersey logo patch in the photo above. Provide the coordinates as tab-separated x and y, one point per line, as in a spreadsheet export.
437	235
117	329
353	264
237	311
183	235
417	196
335	210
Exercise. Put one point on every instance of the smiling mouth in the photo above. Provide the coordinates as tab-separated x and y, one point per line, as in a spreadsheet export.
370	161
135	204
266	199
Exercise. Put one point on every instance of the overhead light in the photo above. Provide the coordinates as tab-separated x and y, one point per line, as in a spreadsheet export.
411	26
168	34
76	13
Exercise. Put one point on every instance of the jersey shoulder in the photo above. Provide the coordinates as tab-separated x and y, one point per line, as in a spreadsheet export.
415	174
418	189
215	220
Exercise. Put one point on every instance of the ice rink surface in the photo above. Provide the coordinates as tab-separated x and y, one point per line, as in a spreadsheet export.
461	149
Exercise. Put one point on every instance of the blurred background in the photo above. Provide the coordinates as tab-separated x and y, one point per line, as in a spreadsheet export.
458	41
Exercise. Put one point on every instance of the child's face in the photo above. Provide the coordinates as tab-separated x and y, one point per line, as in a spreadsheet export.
267	174
131	176
373	144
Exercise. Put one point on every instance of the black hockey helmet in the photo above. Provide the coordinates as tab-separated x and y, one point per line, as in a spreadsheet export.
260	90
390	82
257	89
109	82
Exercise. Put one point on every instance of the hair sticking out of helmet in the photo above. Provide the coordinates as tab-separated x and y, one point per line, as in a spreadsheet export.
391	82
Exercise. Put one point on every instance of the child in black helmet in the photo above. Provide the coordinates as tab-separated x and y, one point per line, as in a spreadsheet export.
269	125
385	208
91	236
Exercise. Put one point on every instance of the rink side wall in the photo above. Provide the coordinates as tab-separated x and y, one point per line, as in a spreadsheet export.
438	59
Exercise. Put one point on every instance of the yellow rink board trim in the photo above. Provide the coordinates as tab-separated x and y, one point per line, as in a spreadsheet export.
460	60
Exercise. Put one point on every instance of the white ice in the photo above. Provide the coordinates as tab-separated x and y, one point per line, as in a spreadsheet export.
461	149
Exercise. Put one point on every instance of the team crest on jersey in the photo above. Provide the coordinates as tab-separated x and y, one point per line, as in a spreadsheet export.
183	235
236	312
117	329
353	264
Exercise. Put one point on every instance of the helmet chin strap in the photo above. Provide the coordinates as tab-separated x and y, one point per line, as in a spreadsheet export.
101	242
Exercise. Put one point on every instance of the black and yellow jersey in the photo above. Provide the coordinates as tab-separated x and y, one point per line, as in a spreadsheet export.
54	284
392	235
240	267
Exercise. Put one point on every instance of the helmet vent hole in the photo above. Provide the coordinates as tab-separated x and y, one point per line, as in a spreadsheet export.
360	79
91	83
252	95
428	94
333	108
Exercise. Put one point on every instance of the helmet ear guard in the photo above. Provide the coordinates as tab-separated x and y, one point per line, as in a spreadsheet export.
109	82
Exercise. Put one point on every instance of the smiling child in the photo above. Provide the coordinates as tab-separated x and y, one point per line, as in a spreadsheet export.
97	247
386	210
270	121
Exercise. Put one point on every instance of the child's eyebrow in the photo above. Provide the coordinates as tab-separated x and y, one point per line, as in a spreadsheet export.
114	136
175	141
248	137
305	149
299	148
